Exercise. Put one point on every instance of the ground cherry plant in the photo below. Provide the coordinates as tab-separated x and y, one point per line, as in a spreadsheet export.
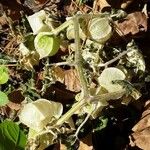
101	79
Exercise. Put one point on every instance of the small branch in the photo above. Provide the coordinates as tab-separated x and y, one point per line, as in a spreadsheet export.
62	27
85	120
61	64
114	59
79	67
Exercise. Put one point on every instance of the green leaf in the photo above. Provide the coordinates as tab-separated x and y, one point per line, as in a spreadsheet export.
3	99
3	75
11	137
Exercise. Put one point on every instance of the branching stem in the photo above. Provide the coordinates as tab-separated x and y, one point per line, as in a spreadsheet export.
90	99
114	59
87	98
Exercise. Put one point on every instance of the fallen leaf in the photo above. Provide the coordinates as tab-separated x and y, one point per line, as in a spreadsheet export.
58	93
3	21
86	143
145	119
71	80
141	139
62	147
141	135
103	5
133	25
12	8
14	106
15	98
67	77
59	74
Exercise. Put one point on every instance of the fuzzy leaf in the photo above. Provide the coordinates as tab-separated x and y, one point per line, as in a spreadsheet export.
11	136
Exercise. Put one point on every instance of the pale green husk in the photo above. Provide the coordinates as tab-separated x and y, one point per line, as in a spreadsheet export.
108	76
36	22
100	29
38	114
46	44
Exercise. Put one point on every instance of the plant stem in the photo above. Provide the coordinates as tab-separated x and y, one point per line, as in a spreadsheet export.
79	67
85	120
79	59
62	27
61	64
114	59
67	115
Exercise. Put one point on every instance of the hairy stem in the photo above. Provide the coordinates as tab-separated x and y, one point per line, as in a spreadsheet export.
85	120
67	115
62	27
79	59
114	59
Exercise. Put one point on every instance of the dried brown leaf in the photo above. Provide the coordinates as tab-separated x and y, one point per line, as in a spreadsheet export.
145	119
101	5
14	106
68	77
86	143
59	74
15	99
71	80
3	21
141	135
141	139
133	25
12	8
63	147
